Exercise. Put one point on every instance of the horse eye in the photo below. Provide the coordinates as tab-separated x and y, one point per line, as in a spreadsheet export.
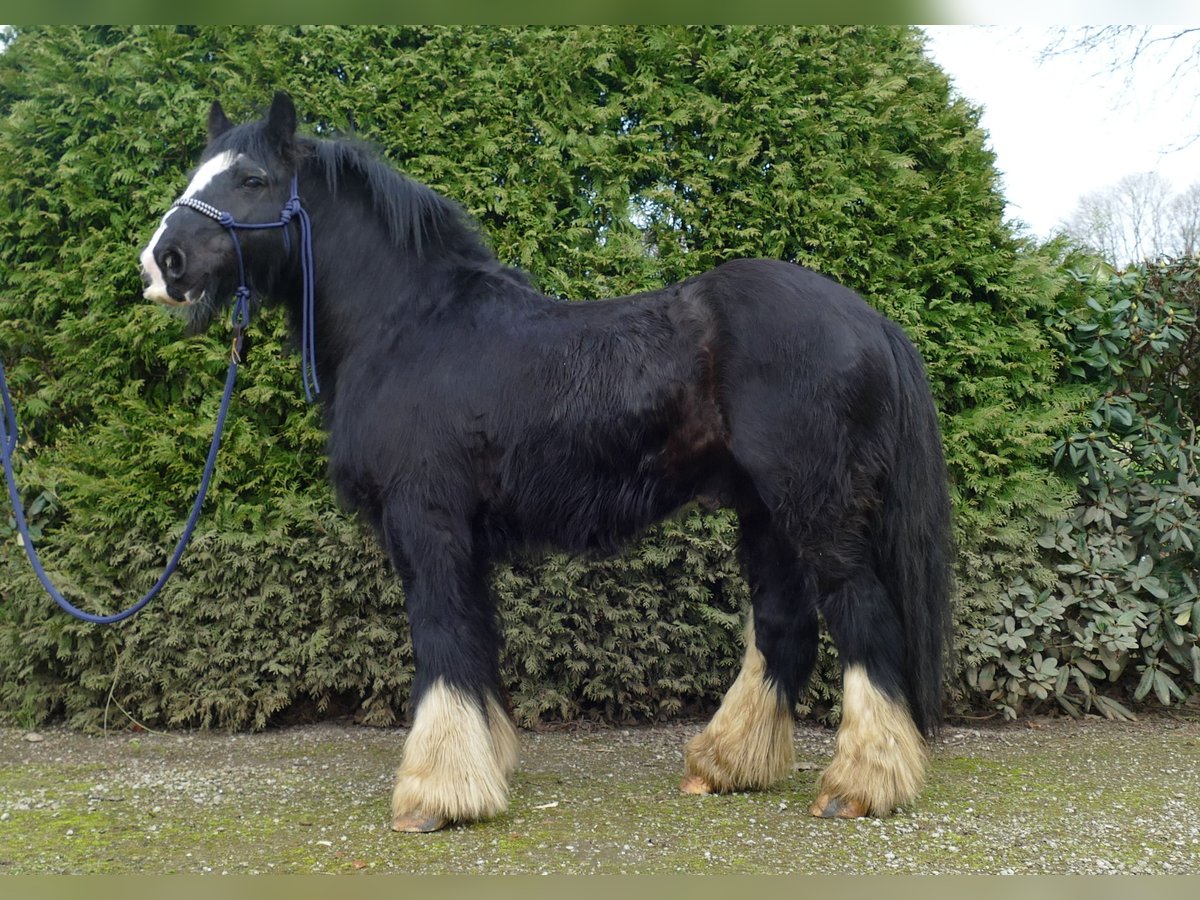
253	181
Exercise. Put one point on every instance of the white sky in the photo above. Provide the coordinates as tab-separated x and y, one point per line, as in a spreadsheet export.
1068	126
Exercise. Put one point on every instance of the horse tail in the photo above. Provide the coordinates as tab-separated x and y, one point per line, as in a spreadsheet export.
914	545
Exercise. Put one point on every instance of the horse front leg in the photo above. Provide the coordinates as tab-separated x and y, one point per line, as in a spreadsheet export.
462	746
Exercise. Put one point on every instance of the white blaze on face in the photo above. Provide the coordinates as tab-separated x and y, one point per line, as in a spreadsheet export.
157	289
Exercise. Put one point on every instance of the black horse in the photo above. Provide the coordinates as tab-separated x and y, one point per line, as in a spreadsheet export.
469	414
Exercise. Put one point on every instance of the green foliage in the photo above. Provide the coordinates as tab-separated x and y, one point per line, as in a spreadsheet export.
603	161
1123	618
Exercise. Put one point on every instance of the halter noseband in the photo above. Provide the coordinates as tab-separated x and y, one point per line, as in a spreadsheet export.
241	304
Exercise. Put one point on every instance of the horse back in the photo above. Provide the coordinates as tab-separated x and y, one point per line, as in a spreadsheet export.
579	424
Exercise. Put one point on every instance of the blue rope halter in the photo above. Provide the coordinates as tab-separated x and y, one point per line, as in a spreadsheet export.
293	207
9	430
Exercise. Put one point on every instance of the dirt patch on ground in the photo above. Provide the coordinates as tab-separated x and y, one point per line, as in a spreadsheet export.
1050	795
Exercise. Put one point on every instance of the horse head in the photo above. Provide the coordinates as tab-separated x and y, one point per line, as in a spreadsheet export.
244	177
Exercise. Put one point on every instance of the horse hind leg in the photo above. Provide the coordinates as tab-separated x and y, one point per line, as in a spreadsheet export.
880	756
748	743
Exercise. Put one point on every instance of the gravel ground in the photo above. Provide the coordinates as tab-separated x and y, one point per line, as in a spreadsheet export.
1039	796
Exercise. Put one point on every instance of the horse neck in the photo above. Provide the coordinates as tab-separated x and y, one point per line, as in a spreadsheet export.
362	276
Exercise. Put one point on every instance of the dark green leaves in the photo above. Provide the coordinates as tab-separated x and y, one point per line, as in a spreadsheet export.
1127	552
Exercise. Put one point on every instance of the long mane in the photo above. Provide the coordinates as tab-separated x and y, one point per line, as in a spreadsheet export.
417	218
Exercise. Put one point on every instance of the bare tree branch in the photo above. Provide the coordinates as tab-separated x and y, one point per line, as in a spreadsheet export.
1138	219
1132	51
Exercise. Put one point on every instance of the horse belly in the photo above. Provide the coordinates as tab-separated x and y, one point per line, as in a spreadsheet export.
593	495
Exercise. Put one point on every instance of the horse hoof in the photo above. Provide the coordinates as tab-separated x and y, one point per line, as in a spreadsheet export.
695	784
828	807
419	824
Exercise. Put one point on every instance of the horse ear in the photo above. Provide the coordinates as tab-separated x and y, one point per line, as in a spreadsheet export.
281	120
218	122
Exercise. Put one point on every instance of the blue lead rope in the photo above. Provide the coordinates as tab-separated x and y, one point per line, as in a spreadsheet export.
240	319
8	434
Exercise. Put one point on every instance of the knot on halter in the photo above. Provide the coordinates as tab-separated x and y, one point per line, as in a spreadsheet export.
289	209
241	308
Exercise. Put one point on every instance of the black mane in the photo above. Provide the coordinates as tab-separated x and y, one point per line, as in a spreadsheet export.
419	220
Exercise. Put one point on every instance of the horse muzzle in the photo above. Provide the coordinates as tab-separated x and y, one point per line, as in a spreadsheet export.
161	273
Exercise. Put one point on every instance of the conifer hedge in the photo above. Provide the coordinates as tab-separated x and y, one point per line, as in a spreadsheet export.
601	160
